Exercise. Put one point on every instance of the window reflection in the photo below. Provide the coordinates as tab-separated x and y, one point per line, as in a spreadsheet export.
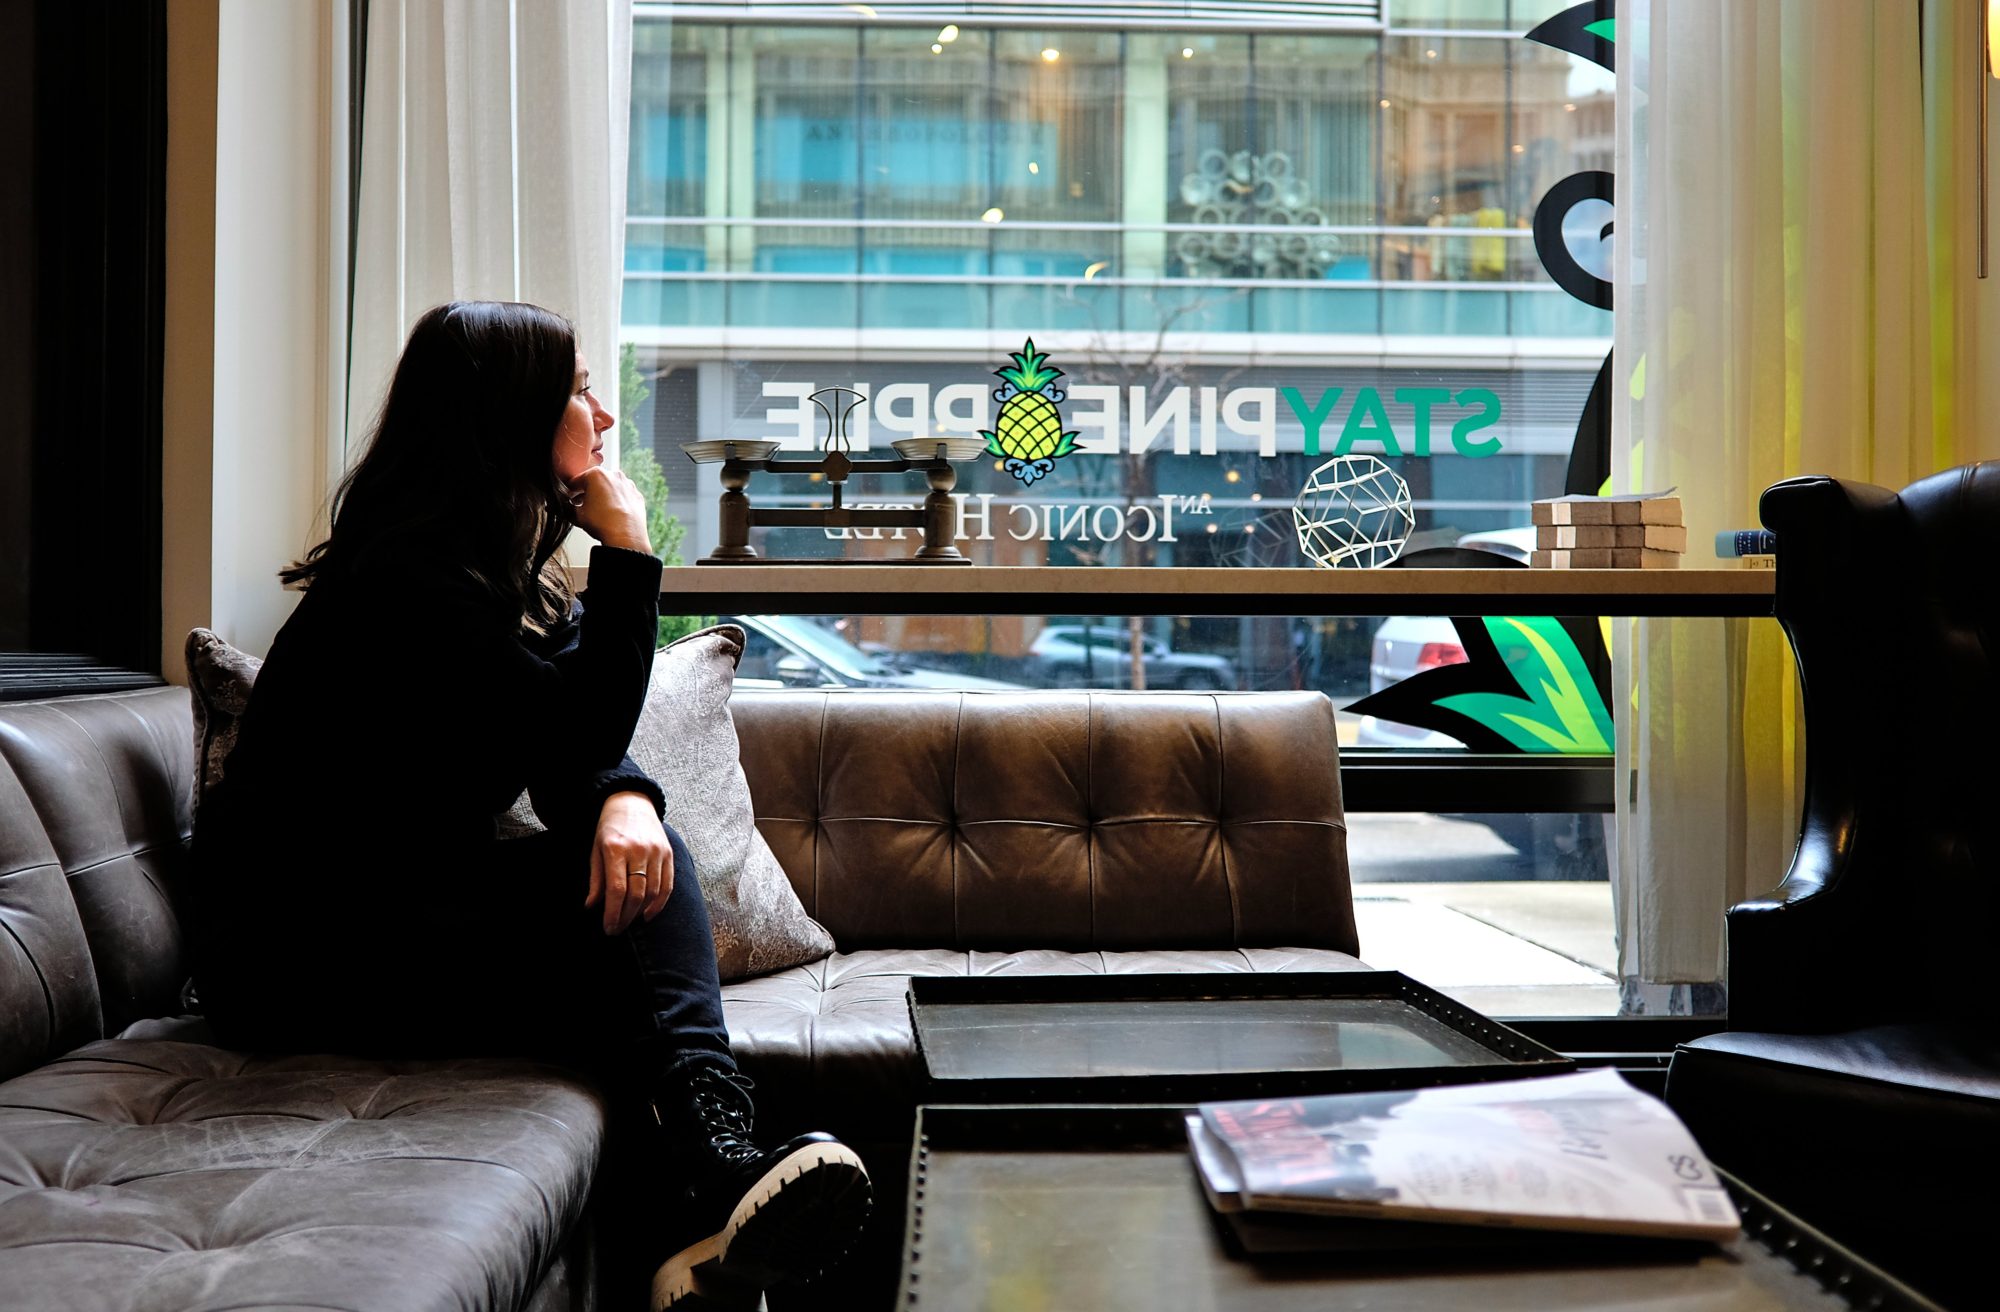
1232	244
872	177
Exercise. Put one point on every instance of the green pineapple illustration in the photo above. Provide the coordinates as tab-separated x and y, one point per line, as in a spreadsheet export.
1028	431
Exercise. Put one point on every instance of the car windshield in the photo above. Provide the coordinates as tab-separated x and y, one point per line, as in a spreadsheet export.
825	646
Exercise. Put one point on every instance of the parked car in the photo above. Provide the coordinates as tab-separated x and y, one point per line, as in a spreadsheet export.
1059	656
785	651
1567	846
1410	644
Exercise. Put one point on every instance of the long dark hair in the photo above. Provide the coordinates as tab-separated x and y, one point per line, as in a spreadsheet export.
461	453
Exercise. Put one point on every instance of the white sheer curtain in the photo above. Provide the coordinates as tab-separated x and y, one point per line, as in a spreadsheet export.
1795	295
492	167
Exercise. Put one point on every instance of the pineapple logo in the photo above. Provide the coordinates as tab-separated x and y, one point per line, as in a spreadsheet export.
1028	431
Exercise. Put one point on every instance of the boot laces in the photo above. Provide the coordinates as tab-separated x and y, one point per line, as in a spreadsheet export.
722	1104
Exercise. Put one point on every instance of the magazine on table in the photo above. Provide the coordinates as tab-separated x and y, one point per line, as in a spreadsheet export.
1586	1153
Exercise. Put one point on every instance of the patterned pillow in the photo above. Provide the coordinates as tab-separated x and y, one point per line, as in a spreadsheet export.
686	741
219	677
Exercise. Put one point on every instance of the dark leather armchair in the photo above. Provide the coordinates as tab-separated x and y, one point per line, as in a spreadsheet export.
1859	1081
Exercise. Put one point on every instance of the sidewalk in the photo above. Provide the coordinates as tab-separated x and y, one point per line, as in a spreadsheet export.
1541	948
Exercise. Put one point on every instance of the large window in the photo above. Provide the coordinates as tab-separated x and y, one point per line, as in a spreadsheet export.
1247	251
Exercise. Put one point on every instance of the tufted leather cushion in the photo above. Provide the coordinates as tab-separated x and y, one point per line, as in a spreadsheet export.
1070	820
157	1173
94	823
830	1042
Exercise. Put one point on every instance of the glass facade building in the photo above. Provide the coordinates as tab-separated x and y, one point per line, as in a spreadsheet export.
877	177
1247	250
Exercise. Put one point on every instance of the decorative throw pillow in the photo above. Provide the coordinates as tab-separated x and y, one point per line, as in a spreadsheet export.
686	741
220	678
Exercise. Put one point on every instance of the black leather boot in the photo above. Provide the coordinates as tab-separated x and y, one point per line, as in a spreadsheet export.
750	1218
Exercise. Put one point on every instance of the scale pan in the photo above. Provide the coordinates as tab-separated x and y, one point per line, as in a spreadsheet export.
711	453
926	448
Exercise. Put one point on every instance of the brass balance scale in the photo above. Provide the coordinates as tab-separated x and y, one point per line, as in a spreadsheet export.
740	458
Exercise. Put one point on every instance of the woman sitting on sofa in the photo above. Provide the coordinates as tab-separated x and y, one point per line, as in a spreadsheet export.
354	896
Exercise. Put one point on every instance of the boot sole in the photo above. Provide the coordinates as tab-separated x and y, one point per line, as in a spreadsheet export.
800	1215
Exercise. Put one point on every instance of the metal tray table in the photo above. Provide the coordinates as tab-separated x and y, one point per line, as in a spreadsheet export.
1055	1207
1197	1037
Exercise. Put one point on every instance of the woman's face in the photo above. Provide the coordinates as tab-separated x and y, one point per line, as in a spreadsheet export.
580	435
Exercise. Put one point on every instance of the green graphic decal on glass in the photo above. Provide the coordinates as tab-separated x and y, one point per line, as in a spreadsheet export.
1541	685
1028	431
1561	711
1525	685
1573	229
1588	29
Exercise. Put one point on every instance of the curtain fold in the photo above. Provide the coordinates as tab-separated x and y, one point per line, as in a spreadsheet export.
1794	295
493	166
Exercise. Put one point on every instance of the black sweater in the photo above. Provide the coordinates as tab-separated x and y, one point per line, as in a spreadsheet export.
402	709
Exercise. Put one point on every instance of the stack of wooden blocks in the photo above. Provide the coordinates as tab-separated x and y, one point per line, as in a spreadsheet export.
1635	532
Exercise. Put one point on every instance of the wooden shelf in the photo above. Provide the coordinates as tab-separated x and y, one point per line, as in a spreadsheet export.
1169	590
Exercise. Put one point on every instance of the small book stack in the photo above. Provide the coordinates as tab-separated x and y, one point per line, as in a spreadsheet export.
1563	1163
1631	532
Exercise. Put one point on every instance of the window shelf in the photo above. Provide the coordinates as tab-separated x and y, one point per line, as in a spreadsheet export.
895	589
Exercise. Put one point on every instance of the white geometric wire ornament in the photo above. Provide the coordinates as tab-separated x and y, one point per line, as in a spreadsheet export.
1353	511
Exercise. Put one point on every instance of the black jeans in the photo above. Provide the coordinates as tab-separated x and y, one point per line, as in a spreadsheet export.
503	960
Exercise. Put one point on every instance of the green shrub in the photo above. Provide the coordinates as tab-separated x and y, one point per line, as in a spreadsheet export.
640	465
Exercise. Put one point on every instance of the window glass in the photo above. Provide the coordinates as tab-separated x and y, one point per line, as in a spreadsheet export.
761	653
1162	279
1245	253
669	179
668	167
825	646
1526	15
1475	14
1512	905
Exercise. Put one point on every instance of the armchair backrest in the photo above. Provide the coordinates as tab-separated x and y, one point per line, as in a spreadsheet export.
1892	606
1069	820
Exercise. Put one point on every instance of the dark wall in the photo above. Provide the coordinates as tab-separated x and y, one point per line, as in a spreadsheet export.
81	309
17	271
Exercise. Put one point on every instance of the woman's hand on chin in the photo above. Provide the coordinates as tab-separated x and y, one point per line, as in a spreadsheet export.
631	863
610	509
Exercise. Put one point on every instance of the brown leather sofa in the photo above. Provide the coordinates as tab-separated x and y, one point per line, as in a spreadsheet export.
932	833
143	1168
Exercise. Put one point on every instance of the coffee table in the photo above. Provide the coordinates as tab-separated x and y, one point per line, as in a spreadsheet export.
1198	1037
1061	1207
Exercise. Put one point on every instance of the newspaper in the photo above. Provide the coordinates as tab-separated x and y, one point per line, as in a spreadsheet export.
1584	1152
